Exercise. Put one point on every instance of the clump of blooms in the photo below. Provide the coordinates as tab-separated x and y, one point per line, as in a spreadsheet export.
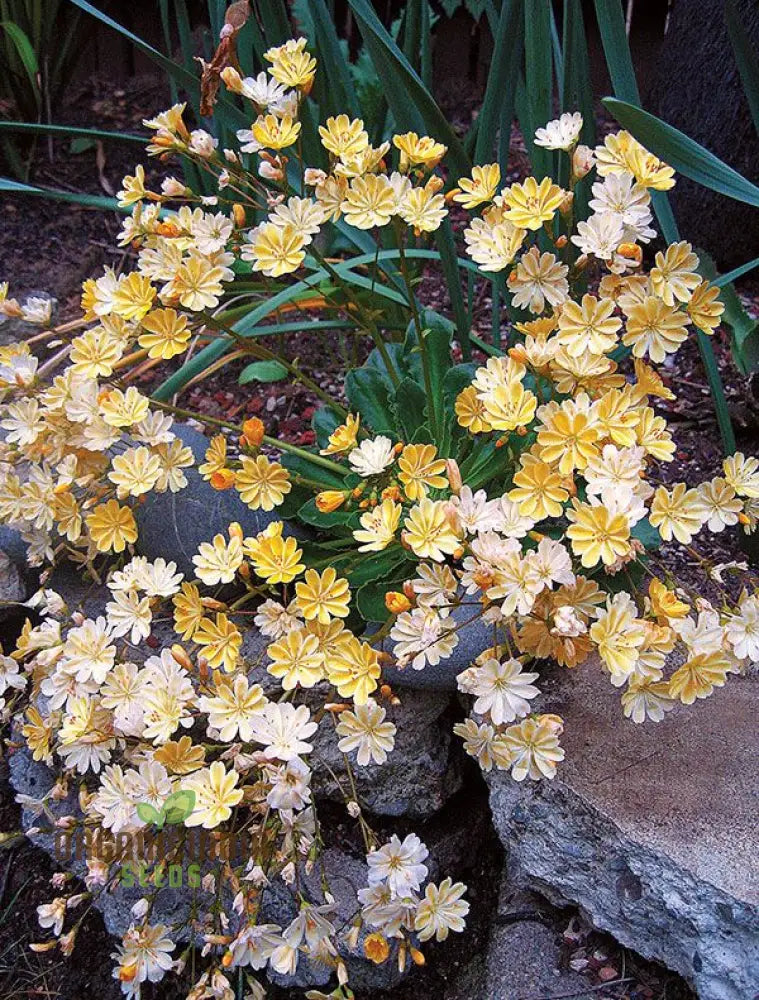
529	497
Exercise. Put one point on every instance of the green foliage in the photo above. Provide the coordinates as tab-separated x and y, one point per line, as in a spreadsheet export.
37	54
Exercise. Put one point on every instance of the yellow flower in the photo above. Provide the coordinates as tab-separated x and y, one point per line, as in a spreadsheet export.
705	307
481	188
296	660
649	382
369	201
509	406
197	284
275	559
619	635
111	527
94	353
322	597
531	204
470	411
343	438
596	533
588	328
423	208
353	668
569	434
135	472
216	457
291	65
188	610
674	277
533	748
275	250
420	470
416	151
181	756
134	296
655	328
699	676
132	187
378	526
344	137
616	417
122	409
621	154
166	334
275	133
677	514
38	733
429	533
221	641
262	484
665	603
538	489
652	435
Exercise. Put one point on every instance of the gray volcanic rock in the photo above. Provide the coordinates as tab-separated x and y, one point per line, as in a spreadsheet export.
650	829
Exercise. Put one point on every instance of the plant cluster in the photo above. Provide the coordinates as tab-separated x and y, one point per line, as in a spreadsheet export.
524	491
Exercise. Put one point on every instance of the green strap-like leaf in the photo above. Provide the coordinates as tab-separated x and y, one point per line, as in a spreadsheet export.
502	77
71	132
411	103
25	51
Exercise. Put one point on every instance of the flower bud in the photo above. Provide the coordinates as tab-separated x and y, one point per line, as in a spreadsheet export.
180	655
396	602
238	214
566	206
313	176
631	251
376	948
454	475
253	431
232	79
582	161
224	479
329	500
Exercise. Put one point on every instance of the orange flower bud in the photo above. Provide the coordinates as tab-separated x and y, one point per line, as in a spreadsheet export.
180	655
238	213
396	602
329	500
399	447
253	431
391	493
561	242
224	479
408	590
235	531
630	251
376	948
417	957
227	959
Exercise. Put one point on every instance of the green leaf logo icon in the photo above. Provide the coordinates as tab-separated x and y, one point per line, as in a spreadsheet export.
179	805
174	811
149	814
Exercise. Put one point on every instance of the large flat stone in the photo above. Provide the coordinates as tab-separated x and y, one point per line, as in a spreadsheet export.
650	829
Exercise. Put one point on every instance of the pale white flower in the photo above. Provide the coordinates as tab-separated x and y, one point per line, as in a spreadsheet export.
502	689
399	864
129	614
273	620
742	630
423	636
442	910
600	235
372	457
283	730
289	785
561	133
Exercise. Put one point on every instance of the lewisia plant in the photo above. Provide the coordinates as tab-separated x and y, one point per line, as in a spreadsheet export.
526	491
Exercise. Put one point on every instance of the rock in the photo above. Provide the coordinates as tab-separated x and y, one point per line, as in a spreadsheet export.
13	588
473	638
173	525
650	829
522	962
17	583
420	774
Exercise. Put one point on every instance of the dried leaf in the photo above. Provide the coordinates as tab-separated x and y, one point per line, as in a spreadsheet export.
225	55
